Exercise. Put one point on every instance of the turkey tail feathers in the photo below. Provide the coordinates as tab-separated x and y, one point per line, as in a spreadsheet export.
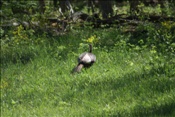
77	68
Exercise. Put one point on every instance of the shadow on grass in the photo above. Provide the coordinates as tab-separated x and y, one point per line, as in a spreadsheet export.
164	110
16	58
154	80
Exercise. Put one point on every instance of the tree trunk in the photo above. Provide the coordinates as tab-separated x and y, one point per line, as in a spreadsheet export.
106	8
55	3
65	5
42	6
134	6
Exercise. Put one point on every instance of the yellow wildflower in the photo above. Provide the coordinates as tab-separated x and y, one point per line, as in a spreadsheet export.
92	39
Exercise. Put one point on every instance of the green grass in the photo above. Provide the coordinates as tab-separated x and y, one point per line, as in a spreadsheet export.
123	82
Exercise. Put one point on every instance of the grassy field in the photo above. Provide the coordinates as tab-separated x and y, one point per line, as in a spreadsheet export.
128	80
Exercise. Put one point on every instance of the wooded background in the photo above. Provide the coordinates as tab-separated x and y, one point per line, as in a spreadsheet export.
58	15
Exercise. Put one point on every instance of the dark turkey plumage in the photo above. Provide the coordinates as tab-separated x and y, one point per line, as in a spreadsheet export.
85	60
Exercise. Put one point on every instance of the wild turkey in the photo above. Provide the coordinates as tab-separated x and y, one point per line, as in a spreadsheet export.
85	60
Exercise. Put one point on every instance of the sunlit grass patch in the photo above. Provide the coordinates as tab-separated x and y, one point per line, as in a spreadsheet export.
126	80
